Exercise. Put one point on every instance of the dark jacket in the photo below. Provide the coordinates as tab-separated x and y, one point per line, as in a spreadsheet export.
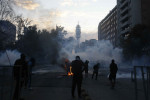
20	68
113	68
96	67
77	68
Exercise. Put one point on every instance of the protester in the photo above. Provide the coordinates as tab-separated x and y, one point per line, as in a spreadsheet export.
113	70
20	74
95	71
67	65
86	68
77	69
31	64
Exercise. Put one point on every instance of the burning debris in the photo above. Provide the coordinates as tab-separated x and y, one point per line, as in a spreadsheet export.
68	67
70	72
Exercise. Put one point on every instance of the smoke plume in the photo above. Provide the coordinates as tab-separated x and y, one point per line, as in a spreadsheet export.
12	56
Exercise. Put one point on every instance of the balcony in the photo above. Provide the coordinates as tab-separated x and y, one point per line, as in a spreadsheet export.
125	23
123	17
125	31
125	3
124	10
122	1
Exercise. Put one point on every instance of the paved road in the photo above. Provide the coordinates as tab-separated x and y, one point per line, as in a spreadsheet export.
49	86
100	89
55	86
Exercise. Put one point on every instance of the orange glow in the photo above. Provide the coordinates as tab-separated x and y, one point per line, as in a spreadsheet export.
70	72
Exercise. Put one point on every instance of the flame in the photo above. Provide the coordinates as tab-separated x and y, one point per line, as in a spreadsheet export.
70	72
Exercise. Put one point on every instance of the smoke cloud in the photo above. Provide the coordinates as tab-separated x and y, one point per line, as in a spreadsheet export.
12	56
103	52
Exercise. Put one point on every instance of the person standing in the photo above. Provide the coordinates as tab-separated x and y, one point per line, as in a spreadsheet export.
113	71
20	73
67	65
95	71
31	64
86	68
77	69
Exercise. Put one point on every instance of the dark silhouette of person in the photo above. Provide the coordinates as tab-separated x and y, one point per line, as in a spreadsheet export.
31	64
67	65
20	72
95	71
86	68
77	69
113	70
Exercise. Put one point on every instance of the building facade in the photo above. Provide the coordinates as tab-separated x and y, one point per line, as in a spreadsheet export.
78	35
128	13
78	32
107	29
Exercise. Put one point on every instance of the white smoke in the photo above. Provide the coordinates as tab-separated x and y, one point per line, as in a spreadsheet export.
103	52
141	61
9	57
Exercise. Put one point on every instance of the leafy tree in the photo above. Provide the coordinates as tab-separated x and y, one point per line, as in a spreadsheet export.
136	43
29	42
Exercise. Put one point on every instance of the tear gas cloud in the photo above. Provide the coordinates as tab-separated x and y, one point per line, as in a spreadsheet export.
12	56
103	52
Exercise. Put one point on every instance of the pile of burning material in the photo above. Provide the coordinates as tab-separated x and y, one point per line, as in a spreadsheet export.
70	72
68	67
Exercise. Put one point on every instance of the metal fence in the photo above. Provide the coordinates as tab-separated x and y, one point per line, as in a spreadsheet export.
145	75
6	82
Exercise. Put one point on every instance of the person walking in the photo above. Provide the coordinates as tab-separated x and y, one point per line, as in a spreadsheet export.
113	71
86	68
20	72
67	65
95	70
77	69
31	64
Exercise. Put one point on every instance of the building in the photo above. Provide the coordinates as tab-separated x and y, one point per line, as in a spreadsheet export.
88	44
78	33
107	29
7	32
127	14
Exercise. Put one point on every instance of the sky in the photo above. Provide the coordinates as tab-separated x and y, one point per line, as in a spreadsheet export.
67	13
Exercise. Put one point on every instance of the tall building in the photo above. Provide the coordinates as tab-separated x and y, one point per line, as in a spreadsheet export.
131	13
127	14
78	33
107	29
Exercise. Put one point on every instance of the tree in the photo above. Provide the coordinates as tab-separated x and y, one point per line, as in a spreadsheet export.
136	43
6	11
29	42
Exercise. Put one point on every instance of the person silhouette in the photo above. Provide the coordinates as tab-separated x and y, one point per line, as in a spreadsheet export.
113	71
20	74
31	64
95	70
86	68
77	69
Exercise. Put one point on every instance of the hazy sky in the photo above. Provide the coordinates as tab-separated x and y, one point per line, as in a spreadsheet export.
67	13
